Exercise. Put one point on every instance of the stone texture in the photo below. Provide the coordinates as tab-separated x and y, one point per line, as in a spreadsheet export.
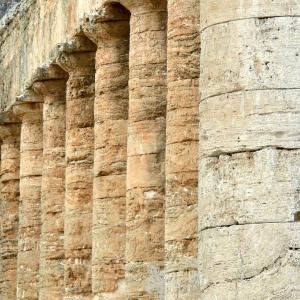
110	32
5	5
80	65
31	162
51	271
181	272
248	167
249	187
146	152
158	171
255	261
9	208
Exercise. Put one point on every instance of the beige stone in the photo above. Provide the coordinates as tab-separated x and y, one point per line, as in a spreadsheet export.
248	197
51	270
110	32
181	223
252	261
164	168
31	162
146	151
250	187
79	62
9	207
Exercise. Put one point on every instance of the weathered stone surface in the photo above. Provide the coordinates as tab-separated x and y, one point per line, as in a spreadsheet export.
79	166
214	12
51	271
146	152
140	181
31	162
5	5
262	56
181	272
253	261
9	208
261	119
250	187
110	32
248	196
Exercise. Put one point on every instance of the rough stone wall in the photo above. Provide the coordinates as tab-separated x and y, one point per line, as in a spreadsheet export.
248	169
5	5
150	150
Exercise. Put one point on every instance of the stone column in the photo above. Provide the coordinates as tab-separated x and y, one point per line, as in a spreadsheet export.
31	162
9	205
110	31
181	221
249	168
51	285
146	151
79	62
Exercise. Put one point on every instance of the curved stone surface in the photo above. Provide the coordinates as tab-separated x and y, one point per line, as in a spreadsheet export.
114	211
51	270
181	220
146	152
249	141
263	56
111	34
31	162
80	93
9	208
248	121
214	12
236	261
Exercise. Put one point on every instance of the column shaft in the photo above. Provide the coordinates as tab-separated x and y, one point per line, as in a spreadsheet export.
31	161
79	171
9	209
181	220
249	150
110	160
146	153
53	190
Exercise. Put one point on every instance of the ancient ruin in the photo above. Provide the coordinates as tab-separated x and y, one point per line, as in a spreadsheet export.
150	150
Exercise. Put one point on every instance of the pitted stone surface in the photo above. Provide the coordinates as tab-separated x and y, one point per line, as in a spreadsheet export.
158	151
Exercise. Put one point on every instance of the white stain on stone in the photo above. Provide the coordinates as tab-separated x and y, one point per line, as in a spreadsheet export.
149	195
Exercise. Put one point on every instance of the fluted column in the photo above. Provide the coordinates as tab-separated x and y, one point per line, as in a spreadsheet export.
181	220
9	205
51	285
146	151
249	150
31	162
111	114
80	65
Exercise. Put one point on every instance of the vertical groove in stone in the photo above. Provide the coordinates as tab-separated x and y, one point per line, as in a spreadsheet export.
110	158
31	161
182	150
9	208
146	151
249	152
79	168
51	284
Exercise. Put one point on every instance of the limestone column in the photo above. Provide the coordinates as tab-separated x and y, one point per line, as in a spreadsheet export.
79	62
9	207
31	162
110	31
53	90
181	220
146	150
249	168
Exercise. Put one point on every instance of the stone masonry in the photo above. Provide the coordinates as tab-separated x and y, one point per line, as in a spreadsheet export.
150	150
